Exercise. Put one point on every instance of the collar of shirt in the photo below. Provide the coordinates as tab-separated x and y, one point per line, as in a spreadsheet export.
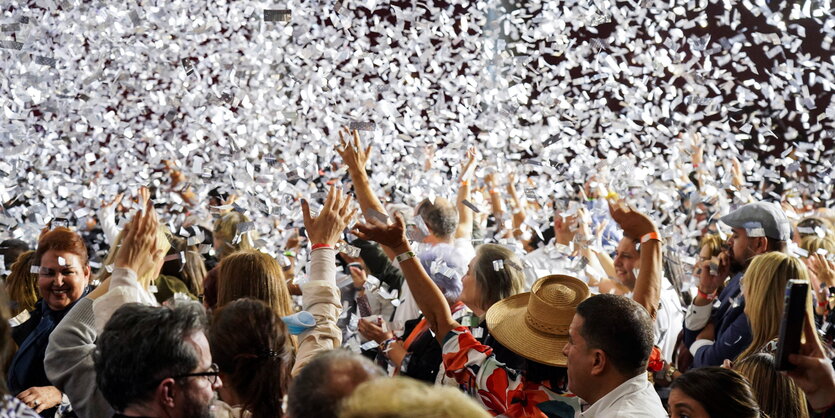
629	390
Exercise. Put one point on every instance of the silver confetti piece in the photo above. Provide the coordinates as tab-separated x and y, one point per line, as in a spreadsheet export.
277	15
245	227
134	18
11	45
362	126
11	27
49	62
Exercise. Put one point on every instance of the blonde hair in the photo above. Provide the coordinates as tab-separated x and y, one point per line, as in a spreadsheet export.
408	398
193	268
765	288
495	284
147	276
812	243
226	229
777	395
21	284
712	241
253	274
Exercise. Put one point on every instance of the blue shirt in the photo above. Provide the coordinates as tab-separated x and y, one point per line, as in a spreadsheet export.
733	332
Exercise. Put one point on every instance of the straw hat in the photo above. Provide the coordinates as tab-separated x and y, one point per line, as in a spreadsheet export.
534	325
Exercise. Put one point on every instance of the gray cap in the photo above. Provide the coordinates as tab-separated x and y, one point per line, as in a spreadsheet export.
760	219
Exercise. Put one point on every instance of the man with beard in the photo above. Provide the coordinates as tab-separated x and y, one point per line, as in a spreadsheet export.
155	362
716	327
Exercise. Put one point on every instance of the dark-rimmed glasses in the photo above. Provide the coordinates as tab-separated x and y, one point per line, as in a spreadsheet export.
211	375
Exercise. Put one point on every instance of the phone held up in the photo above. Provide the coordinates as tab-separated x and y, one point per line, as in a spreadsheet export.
791	325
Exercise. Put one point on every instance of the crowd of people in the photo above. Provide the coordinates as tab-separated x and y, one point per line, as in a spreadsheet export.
457	306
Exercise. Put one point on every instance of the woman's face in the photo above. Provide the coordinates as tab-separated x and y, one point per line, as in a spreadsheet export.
626	261
469	290
62	279
683	406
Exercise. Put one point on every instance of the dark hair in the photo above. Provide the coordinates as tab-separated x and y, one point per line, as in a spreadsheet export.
324	382
776	245
555	377
142	345
61	239
620	327
723	393
11	249
440	217
251	345
22	284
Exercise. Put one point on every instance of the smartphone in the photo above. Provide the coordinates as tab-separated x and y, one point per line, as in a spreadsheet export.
791	326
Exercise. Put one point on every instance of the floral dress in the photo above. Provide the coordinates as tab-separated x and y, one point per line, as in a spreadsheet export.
503	391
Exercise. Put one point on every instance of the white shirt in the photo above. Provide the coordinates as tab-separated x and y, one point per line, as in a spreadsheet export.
668	321
633	398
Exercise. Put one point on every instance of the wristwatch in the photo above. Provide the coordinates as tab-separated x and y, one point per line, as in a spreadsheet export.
669	373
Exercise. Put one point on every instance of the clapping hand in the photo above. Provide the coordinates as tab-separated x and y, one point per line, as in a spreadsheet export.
332	220
139	250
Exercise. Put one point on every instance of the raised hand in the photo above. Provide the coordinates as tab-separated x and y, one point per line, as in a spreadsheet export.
116	200
698	149
822	268
468	167
332	220
139	250
634	224
392	236
351	150
737	178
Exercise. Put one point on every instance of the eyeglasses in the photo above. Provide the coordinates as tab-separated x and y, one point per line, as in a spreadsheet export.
211	375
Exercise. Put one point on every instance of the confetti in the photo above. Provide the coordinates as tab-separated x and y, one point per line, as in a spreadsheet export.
362	126
11	45
49	62
277	15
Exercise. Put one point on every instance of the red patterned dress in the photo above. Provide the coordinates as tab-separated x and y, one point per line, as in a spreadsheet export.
503	391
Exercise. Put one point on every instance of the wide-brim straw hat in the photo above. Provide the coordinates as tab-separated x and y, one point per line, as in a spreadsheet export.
535	325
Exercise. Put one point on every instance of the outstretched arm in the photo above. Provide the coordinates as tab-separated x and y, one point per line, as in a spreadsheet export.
320	296
356	158
638	226
428	296
465	214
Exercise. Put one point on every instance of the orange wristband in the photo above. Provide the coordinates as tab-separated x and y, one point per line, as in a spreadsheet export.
650	236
